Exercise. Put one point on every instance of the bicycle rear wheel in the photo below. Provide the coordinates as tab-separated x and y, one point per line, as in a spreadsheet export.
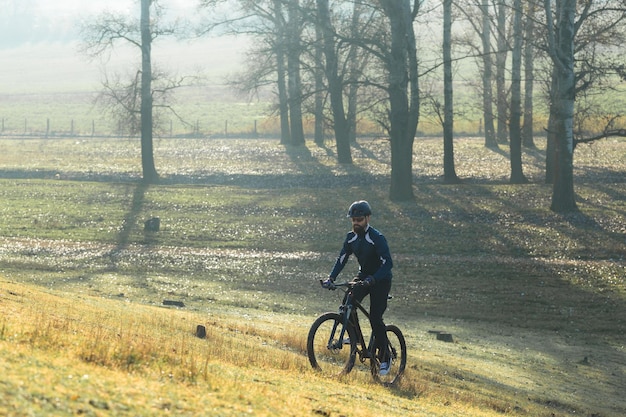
329	352
397	349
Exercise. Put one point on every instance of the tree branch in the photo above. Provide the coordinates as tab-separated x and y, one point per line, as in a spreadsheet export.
605	134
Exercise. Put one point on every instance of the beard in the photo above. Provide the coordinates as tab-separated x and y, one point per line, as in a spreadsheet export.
358	229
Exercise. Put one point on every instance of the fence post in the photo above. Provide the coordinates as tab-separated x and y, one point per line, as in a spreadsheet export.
47	127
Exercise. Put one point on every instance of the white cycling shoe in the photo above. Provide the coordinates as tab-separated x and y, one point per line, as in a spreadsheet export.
385	367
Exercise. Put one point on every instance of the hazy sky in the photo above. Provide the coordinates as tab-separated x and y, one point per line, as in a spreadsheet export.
24	21
39	44
69	7
91	6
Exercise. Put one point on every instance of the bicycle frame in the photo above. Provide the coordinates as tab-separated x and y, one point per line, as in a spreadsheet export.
349	311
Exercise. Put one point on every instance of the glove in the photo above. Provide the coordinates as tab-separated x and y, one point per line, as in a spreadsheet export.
328	283
368	281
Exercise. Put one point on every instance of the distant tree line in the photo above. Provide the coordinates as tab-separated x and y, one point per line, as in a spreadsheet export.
342	61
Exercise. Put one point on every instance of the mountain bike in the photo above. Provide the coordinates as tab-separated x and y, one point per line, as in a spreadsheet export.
335	341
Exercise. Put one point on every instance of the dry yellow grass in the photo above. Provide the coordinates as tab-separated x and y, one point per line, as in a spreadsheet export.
64	355
68	354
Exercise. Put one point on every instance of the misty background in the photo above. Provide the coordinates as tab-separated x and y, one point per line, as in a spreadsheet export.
39	42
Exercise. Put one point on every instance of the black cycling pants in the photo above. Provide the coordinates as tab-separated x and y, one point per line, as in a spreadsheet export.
379	294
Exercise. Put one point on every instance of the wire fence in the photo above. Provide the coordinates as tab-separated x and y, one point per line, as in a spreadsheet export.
99	128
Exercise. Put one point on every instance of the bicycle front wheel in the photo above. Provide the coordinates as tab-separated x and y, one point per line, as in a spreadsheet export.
331	352
396	349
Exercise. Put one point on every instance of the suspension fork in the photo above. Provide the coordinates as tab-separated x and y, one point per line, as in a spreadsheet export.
345	311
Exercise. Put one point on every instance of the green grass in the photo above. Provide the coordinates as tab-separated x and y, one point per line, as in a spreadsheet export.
203	109
247	229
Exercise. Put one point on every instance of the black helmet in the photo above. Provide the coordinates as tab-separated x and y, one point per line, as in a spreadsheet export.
359	208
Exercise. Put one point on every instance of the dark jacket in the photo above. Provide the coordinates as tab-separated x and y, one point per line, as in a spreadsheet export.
371	251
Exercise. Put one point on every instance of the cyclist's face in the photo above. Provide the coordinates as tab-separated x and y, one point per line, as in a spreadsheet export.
359	223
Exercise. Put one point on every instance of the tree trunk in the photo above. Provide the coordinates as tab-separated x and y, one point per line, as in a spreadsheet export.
449	172
335	86
563	197
318	135
501	72
515	143
401	66
150	174
293	70
353	90
283	97
353	72
528	140
490	133
551	159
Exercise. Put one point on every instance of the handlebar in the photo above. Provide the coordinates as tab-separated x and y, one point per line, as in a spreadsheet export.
347	284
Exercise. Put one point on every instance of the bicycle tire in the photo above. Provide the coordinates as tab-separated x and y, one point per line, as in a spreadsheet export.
397	347
326	353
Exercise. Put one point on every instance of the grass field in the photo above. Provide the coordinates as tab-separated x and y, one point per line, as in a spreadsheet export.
51	88
535	301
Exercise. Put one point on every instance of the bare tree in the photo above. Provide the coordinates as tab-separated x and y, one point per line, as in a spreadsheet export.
135	99
392	84
515	142
449	171
150	174
503	48
319	95
276	26
490	134
293	52
335	84
403	89
278	44
356	63
529	76
561	33
573	36
341	30
478	16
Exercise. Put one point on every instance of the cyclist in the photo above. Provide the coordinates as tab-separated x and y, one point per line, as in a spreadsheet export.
372	253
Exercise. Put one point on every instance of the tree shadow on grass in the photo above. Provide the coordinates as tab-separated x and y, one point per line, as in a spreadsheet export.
130	220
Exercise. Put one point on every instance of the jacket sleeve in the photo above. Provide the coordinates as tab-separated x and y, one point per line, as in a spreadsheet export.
386	263
341	261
